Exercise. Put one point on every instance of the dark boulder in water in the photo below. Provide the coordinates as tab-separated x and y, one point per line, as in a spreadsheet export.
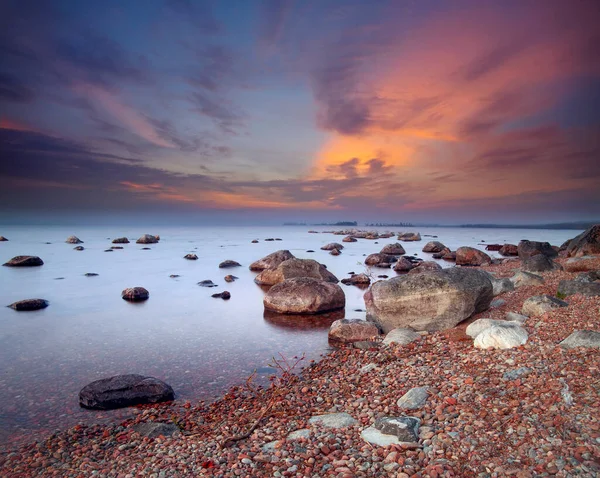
225	295
229	263
207	283
124	391
24	261
148	239
120	240
191	257
29	304
135	294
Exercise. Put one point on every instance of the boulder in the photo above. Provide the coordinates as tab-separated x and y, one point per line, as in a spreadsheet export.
29	304
501	286
380	260
230	278
357	279
3	239
73	240
271	261
331	246
120	240
229	263
304	295
401	336
254	241
527	249
572	287
404	265
349	239
501	336
333	420
395	249
414	399
207	283
582	338
334	252
147	239
441	254
430	300
586	243
24	261
156	429
591	276
493	247
450	256
225	295
582	264
521	279
478	326
434	246
124	391
469	256
539	263
191	257
409	236
135	294
405	429
78	248
425	266
540	304
508	250
293	268
352	330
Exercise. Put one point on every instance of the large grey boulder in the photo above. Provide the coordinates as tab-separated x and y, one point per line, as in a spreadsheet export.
304	295
469	256
361	280
124	391
540	304
271	261
501	336
293	268
586	243
502	286
395	249
539	263
24	261
582	338
352	330
434	246
522	279
527	249
430	300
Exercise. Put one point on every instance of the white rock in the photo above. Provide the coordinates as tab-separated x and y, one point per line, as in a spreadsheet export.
474	329
582	338
501	336
374	436
402	336
333	420
413	399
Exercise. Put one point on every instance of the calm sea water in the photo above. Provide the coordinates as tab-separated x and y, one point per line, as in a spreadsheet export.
199	345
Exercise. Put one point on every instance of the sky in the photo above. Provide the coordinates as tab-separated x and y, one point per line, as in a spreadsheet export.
268	111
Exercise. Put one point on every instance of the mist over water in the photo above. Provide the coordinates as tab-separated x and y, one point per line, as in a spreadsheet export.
199	345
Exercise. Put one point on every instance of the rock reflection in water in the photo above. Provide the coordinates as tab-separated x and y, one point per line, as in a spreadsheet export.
301	323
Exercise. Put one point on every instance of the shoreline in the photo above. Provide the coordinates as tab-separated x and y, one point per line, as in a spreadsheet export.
477	420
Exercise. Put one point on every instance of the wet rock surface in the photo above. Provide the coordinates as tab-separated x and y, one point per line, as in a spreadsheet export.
29	304
135	294
24	261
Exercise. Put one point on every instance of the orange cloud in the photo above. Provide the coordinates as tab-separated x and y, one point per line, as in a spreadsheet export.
7	123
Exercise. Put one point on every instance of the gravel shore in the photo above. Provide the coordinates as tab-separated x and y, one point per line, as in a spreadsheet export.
524	412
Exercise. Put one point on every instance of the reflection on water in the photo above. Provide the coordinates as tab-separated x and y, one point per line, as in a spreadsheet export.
302	323
199	345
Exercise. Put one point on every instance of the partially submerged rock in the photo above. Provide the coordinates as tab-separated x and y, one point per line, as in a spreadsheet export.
395	249
304	295
228	264
509	250
271	261
78	248
335	252
148	239
409	236
404	265
586	243
73	240
230	278
469	256
331	246
380	260
434	246
352	330
501	336
207	283
225	295
527	249
357	279
124	391
24	261
540	304
349	239
29	304
293	268
430	300
582	338
3	239
135	294
191	257
120	240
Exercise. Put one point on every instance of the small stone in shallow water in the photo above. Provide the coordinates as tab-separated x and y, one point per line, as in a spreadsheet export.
207	283
174	276
230	278
191	257
29	304
225	295
135	294
78	248
90	274
229	263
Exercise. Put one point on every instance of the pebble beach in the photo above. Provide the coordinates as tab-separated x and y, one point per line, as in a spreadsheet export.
528	411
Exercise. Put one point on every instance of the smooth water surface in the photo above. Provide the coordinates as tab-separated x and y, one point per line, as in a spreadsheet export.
199	345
